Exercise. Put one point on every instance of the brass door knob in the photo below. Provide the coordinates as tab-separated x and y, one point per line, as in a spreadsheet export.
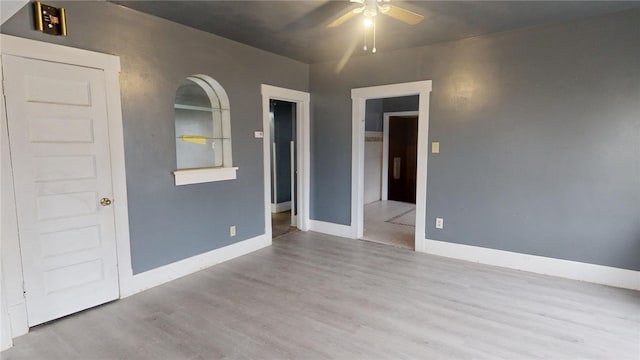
105	201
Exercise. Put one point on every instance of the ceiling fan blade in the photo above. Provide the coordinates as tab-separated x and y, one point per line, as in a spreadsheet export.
318	16
343	18
401	14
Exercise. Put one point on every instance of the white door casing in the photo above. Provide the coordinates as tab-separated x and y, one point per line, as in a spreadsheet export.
359	97
59	140
293	173
301	99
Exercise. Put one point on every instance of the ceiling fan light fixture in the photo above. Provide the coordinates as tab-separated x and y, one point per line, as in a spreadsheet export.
366	28
370	10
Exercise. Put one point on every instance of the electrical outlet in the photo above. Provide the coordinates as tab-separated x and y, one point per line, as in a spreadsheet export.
439	223
232	230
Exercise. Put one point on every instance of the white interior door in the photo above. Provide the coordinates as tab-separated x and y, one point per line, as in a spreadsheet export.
59	143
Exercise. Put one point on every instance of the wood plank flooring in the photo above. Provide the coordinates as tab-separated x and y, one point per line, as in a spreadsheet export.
312	296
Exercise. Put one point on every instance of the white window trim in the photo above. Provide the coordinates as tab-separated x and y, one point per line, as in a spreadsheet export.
197	176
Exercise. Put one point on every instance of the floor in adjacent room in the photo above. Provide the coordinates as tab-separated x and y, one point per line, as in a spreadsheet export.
313	296
281	224
390	222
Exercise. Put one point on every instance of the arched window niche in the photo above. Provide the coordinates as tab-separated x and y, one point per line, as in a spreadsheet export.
203	132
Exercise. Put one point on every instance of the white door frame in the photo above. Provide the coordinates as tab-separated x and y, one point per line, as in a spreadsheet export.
384	194
292	188
359	98
301	99
110	64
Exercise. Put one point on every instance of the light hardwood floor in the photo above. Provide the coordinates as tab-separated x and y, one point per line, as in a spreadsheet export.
312	296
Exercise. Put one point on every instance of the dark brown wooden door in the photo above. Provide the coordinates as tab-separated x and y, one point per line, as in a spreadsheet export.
403	158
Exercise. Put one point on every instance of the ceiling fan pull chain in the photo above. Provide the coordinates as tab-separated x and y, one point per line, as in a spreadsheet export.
374	37
365	39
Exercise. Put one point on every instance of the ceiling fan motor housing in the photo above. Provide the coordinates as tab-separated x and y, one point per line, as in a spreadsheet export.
371	9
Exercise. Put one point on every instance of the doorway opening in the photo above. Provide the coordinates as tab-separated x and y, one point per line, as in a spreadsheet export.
286	160
419	90
390	169
282	128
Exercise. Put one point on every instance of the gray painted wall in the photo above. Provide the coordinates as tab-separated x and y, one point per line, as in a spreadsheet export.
170	223
373	115
539	134
401	103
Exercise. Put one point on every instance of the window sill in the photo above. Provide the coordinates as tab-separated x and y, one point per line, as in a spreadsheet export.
197	176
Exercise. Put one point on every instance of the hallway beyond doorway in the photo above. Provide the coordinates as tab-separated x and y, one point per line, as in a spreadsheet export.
390	222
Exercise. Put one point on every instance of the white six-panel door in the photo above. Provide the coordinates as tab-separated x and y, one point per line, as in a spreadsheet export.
59	143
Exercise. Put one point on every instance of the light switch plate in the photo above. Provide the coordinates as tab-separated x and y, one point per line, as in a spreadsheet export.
232	230
435	147
258	134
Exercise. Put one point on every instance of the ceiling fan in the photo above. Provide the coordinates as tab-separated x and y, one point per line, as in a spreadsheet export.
371	8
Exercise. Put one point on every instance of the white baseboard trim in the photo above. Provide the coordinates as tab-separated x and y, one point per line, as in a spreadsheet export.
373	134
6	341
6	338
280	207
14	323
331	229
599	274
178	269
18	319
